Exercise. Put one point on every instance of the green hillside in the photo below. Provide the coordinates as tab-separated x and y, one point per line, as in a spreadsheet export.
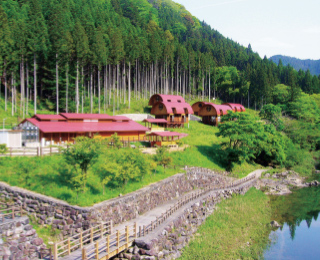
72	54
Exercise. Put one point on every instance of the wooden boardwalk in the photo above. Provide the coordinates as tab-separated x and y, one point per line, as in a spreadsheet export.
102	244
106	246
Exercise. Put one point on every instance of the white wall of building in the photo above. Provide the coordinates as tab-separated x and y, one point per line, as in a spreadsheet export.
11	138
4	137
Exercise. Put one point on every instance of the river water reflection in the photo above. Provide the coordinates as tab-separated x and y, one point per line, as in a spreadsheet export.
299	238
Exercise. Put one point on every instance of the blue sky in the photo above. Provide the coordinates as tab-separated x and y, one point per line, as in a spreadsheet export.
272	27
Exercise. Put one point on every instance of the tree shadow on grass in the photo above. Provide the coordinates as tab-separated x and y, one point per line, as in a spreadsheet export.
66	196
93	190
215	154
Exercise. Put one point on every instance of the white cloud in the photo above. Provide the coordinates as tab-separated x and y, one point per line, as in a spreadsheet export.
312	30
272	43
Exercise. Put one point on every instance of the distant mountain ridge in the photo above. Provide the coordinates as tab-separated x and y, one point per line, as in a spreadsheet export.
297	64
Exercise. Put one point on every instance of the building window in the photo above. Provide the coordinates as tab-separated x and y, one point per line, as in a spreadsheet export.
208	108
160	107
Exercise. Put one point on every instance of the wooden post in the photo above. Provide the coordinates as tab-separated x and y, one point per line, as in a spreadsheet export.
101	230
135	229
97	250
108	246
13	213
127	236
81	239
69	251
55	251
84	254
91	234
139	231
118	241
144	230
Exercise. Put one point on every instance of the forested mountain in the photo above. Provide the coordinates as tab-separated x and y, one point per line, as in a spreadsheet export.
312	65
86	55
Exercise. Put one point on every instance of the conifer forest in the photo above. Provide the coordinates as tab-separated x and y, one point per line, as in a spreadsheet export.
95	54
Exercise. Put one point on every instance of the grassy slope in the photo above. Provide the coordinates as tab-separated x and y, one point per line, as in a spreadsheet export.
46	175
204	150
236	230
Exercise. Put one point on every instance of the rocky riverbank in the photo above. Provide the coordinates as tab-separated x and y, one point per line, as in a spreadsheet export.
282	183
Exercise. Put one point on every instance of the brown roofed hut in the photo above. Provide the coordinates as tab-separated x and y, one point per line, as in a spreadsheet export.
197	106
176	114
211	113
235	107
165	98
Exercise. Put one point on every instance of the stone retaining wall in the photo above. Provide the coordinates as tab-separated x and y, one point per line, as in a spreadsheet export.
71	219
19	240
177	234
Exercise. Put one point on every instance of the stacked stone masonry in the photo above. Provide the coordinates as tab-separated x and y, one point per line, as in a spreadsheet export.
177	234
72	219
19	241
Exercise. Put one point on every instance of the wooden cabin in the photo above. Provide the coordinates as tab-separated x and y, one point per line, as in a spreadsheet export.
171	108
63	128
165	98
197	106
211	113
235	107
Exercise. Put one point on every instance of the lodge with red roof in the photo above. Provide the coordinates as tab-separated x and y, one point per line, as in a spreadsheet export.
211	113
172	108
63	128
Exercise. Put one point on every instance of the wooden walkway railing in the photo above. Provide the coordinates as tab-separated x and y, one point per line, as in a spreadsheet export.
111	245
144	230
79	240
10	213
101	243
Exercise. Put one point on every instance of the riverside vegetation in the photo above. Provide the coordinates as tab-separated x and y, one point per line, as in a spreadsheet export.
236	229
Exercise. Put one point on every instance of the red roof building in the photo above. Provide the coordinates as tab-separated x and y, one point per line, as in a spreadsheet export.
65	127
165	98
172	108
235	107
211	113
197	106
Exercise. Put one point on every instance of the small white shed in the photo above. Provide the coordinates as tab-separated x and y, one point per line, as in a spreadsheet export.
12	138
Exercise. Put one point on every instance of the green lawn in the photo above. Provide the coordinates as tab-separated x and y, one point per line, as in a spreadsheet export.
236	230
48	175
204	150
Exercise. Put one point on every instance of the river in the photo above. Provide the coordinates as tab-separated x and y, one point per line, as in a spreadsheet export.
299	237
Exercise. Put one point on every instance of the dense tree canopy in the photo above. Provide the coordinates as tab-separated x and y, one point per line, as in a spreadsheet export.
78	52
